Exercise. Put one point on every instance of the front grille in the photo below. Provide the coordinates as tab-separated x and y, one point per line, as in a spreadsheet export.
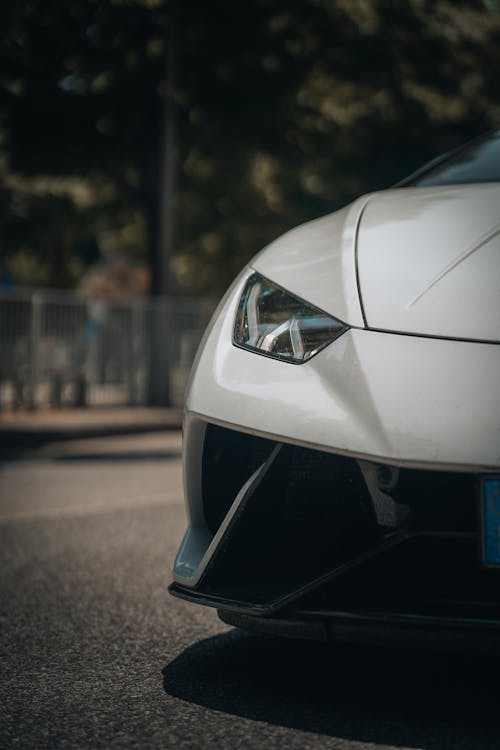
229	459
426	575
314	515
309	513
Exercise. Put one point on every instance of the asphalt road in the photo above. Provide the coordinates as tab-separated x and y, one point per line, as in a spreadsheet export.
95	654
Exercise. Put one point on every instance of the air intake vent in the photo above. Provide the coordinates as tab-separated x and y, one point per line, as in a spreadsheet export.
229	459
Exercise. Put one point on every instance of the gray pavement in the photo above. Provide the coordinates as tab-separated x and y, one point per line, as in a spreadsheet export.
24	429
94	653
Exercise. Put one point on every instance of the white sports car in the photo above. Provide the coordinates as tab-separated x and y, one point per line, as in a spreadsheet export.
342	425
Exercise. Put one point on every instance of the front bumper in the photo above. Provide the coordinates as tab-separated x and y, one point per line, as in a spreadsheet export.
318	544
345	487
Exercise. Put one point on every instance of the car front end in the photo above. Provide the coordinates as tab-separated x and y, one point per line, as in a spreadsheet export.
342	429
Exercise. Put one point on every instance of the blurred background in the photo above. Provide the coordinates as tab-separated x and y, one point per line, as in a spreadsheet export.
148	148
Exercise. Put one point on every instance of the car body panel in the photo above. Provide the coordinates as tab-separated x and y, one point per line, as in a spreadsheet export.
401	399
429	261
316	261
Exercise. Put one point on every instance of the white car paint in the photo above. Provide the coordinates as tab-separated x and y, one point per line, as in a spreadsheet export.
429	261
317	262
399	399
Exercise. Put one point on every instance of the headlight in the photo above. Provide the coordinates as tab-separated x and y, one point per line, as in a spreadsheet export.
277	324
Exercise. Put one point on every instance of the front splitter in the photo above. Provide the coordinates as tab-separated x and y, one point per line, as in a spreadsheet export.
410	632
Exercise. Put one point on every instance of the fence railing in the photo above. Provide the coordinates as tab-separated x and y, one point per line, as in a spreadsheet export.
60	349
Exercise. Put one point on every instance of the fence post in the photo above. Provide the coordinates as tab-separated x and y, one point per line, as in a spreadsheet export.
35	334
134	339
160	332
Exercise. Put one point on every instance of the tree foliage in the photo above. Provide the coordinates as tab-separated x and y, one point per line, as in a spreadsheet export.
286	110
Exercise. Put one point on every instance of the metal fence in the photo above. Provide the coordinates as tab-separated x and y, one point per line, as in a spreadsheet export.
60	349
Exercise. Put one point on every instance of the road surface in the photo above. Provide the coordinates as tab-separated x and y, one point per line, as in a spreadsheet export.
94	653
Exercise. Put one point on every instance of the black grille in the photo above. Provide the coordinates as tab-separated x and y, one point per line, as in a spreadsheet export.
310	512
425	575
438	501
313	514
229	459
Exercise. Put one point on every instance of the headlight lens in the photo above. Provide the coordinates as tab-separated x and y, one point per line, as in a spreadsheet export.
277	324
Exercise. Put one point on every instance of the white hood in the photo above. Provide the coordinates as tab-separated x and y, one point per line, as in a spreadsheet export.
429	261
317	262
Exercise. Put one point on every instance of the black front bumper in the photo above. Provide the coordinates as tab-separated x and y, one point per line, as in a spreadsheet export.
330	546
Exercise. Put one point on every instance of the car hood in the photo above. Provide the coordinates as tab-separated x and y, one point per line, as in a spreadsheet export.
316	261
428	261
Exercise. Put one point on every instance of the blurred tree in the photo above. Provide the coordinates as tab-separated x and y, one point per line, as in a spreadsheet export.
300	106
82	100
284	111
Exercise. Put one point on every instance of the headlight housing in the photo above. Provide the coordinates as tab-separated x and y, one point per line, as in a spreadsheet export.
275	323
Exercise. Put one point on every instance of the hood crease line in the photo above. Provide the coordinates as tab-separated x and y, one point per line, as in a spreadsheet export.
463	256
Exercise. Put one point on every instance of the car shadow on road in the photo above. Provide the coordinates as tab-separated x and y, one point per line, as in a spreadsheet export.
373	695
